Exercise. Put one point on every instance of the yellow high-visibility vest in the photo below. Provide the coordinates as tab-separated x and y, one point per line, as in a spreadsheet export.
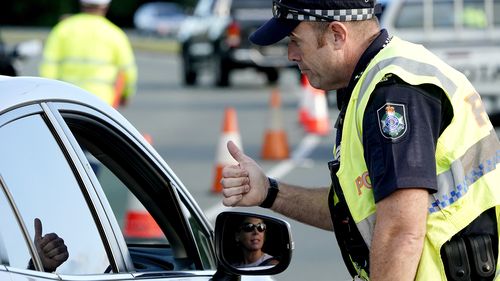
467	153
91	52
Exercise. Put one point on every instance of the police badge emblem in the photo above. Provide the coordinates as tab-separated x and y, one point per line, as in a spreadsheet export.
392	120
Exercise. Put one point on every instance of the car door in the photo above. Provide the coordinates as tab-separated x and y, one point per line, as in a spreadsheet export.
37	180
45	174
164	230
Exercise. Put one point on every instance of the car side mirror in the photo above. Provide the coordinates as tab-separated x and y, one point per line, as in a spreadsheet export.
252	244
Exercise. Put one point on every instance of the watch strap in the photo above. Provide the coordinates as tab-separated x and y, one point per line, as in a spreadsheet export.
272	192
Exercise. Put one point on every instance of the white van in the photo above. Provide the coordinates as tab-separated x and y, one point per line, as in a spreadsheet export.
464	33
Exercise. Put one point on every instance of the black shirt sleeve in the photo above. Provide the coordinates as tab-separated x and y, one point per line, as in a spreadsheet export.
401	126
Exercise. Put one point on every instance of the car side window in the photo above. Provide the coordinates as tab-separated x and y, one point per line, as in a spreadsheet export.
441	16
411	15
140	195
474	15
136	223
496	13
43	185
15	251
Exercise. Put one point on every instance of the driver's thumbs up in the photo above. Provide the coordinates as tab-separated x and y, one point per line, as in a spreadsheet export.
38	229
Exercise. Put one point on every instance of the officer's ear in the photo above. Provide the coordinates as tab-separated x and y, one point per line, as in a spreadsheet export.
339	34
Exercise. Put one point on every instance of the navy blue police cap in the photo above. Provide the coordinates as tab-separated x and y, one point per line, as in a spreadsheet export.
287	14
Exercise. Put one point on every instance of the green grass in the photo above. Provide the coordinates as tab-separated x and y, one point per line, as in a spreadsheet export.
14	35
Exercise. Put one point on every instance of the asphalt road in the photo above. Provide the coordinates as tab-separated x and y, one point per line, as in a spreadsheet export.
186	127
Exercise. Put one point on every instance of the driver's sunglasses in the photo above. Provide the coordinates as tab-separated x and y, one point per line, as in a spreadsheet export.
249	227
282	11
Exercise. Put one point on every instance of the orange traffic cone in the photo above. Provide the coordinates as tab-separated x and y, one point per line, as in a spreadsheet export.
148	138
139	224
223	158
118	89
317	121
275	145
305	101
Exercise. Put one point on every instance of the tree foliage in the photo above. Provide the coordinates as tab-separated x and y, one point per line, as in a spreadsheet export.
48	12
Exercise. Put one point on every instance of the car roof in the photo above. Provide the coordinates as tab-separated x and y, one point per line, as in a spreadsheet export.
24	90
17	91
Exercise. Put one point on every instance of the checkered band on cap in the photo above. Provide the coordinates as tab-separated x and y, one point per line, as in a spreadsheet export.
334	15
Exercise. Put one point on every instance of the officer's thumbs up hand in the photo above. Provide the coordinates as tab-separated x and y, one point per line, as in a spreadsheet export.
244	184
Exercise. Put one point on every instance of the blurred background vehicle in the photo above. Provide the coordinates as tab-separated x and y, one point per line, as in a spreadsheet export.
465	33
383	4
159	18
11	56
215	37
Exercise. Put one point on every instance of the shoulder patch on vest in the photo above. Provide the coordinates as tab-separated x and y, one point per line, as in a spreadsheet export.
392	120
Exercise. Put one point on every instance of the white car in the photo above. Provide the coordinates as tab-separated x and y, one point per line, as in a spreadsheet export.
464	33
159	18
77	165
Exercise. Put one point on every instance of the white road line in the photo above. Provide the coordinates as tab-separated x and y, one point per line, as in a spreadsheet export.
306	146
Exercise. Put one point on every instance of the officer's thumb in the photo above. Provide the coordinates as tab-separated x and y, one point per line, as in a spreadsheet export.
235	152
38	229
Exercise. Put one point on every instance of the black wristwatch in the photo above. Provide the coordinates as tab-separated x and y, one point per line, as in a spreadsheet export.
272	192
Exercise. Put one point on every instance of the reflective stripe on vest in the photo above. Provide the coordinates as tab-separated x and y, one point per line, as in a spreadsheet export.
466	154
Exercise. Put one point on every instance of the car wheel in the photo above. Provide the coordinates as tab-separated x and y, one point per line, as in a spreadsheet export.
272	75
222	70
188	69
189	78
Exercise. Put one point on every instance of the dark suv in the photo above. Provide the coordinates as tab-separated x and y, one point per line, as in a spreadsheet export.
216	37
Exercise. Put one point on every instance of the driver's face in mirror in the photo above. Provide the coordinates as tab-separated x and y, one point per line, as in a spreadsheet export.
250	237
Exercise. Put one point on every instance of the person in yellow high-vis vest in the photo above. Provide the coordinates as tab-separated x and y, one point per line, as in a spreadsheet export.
89	51
414	166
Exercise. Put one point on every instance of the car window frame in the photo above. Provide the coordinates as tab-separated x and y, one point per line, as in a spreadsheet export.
4	259
4	190
65	109
50	111
117	254
5	267
11	115
203	234
6	118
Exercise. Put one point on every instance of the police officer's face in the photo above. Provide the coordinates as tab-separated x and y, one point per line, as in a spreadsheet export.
317	55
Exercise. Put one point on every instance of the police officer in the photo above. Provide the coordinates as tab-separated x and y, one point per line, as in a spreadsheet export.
414	162
91	52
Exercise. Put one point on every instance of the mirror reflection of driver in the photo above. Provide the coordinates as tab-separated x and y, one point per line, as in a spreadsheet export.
250	237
